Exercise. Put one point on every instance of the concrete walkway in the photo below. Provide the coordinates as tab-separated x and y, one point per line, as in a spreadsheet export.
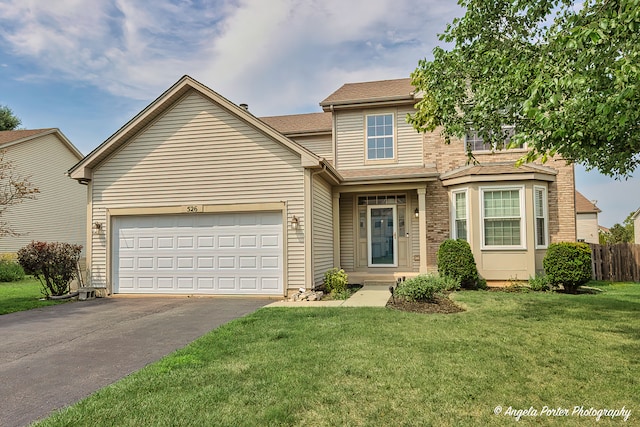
368	296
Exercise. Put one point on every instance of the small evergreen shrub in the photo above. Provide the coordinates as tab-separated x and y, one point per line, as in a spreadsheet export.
53	264
568	264
539	283
335	281
10	271
455	259
425	287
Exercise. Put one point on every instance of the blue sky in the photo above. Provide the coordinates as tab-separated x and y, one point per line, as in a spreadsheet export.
88	66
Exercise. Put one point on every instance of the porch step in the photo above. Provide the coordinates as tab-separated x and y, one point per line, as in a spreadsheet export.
377	283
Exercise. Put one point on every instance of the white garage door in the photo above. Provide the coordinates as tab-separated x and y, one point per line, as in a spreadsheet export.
229	253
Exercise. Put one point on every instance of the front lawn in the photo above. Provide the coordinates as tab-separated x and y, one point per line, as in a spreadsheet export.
383	367
22	295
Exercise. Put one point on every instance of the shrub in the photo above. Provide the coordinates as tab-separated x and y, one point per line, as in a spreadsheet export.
425	287
455	259
10	271
539	283
568	264
53	264
335	281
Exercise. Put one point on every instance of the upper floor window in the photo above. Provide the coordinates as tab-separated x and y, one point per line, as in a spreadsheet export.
475	142
380	137
502	217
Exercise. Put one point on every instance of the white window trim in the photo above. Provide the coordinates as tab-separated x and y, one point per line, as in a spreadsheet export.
523	219
545	207
394	135
454	232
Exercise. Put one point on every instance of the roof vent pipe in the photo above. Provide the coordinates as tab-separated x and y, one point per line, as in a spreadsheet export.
245	106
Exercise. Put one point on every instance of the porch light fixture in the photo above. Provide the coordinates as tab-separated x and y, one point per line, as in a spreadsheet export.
416	213
294	223
96	227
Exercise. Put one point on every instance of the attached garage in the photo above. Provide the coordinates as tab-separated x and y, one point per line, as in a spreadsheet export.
217	254
197	196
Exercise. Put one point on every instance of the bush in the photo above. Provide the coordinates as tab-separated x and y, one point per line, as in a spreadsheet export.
568	264
10	271
425	287
539	283
335	281
455	259
53	264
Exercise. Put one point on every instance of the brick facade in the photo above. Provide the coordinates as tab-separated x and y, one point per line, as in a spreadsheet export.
561	192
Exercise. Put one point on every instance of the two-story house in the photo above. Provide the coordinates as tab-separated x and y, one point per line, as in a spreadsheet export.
197	195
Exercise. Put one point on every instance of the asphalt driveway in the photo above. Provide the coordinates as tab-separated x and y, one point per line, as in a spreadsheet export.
54	356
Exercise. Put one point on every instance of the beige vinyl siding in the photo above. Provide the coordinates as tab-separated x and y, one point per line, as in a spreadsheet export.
198	153
319	145
409	141
587	227
322	238
347	238
350	140
59	213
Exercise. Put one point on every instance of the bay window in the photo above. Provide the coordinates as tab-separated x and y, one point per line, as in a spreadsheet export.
460	216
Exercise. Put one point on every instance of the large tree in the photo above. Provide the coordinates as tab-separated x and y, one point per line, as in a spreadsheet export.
8	120
565	73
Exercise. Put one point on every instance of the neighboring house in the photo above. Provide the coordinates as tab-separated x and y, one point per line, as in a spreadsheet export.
59	211
586	220
636	226
196	195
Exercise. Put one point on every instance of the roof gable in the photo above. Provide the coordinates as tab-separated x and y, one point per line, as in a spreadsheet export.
82	171
13	137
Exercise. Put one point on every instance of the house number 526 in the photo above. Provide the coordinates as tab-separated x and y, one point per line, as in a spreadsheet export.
192	208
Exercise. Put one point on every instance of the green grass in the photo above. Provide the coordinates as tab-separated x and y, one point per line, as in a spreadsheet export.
379	367
22	295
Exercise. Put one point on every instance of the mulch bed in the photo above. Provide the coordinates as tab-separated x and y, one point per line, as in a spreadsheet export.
442	305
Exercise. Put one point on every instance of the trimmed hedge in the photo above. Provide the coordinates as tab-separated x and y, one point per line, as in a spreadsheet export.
455	260
568	264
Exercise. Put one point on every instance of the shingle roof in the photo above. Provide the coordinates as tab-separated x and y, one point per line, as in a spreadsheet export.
497	169
300	123
583	205
388	173
15	135
370	91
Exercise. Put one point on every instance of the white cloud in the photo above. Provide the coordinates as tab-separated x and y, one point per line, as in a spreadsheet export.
278	55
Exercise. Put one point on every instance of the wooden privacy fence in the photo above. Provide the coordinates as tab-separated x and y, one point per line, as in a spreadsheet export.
617	263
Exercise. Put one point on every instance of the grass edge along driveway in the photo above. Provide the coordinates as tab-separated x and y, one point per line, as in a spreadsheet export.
369	366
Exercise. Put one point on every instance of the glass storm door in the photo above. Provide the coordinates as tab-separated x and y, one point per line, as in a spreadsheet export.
383	245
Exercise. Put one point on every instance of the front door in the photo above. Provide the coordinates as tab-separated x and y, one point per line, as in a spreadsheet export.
382	236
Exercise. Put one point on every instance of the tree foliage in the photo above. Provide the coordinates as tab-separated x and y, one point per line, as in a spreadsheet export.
621	233
565	73
14	189
8	121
